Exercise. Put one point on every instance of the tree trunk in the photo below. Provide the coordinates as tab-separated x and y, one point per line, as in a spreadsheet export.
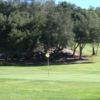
80	56
75	47
93	51
74	52
97	48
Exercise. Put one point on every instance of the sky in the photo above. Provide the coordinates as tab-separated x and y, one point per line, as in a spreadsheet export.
83	3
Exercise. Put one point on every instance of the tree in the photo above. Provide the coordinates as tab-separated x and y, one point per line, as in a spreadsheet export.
57	32
3	34
80	30
94	30
17	35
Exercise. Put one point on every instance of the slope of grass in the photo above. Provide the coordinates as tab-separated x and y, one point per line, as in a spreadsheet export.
65	82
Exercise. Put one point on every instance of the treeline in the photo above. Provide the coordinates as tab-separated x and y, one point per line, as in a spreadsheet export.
29	31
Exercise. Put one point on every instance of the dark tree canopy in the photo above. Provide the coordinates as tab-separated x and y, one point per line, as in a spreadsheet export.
30	29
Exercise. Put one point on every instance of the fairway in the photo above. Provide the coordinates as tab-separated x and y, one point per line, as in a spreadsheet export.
49	50
65	82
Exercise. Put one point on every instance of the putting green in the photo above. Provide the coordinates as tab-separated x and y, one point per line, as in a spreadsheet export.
65	82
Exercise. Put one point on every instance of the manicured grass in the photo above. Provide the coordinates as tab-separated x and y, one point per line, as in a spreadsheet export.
65	82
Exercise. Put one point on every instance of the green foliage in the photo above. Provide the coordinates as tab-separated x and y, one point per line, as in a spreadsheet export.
94	26
45	25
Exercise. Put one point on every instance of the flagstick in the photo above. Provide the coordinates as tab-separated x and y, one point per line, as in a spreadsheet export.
48	66
47	56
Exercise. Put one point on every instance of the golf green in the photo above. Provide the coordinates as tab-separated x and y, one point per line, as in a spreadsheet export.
65	82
